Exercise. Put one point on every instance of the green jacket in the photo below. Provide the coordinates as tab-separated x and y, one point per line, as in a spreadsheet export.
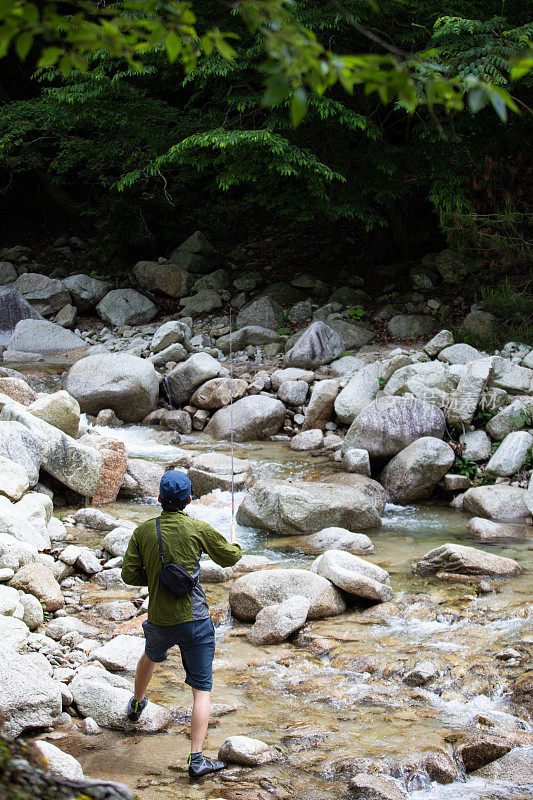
184	541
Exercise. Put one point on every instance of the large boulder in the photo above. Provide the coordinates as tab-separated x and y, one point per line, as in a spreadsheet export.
263	311
304	507
142	478
358	392
29	698
319	344
249	334
59	409
476	445
40	336
410	326
458	558
414	473
46	295
486	531
252	592
127	384
459	354
126	307
14	481
365	786
388	424
86	292
431	374
254	417
17	389
209	471
167	278
465	398
8	273
353	575
280	376
13	309
499	502
511	377
37	579
174	331
513	417
196	254
218	392
275	623
321	403
511	454
73	464
352	334
201	303
186	377
120	653
515	768
116	541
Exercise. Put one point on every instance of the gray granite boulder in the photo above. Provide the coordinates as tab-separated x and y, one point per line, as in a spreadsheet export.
126	307
277	622
41	336
353	575
263	311
319	344
46	295
254	417
167	278
186	377
416	470
29	698
458	558
86	292
498	502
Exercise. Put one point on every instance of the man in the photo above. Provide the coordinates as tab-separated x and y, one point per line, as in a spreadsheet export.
181	621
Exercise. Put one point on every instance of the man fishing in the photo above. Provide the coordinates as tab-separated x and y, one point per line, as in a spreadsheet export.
179	615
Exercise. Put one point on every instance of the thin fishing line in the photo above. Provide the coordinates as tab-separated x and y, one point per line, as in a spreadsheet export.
231	428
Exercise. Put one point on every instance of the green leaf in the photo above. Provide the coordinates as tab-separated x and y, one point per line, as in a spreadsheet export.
23	44
298	106
173	46
477	99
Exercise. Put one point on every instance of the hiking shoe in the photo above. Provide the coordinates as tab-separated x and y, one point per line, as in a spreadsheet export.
135	709
204	766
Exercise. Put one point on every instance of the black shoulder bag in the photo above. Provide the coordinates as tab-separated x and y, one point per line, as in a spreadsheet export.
173	577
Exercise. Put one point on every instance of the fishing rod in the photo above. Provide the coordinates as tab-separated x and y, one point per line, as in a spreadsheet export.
231	429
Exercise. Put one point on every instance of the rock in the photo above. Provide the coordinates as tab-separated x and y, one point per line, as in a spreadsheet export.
86	292
127	384
174	352
33	611
245	751
254	417
522	695
210	471
414	473
179	421
513	417
117	540
249	334
479	324
293	393
353	575
217	392
263	311
424	379
465	399
487	531
57	763
13	309
511	454
423	672
18	390
457	558
14	634
67	316
476	445
96	519
14	481
301	312
9	600
27	528
8	273
203	302
459	354
352	334
280	376
496	502
120	653
167	278
252	592
440	768
59	409
60	626
196	254
14	553
275	623
359	392
410	326
104	697
248	563
126	307
374	787
319	344
37	579
186	377
307	440
304	507
89	727
511	377
456	483
356	460
45	294
389	424
30	703
143	477
41	336
319	410
514	768
438	342
479	750
113	470
169	333
336	539
87	562
210	572
73	464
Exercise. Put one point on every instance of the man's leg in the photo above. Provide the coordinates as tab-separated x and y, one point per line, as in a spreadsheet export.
201	710
143	675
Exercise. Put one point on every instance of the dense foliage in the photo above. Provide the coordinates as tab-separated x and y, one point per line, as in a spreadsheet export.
142	155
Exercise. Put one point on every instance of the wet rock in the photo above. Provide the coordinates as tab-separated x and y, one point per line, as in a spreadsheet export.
218	392
293	393
254	417
127	384
18	390
59	409
38	580
86	292
179	421
304	507
40	336
353	575
253	592
498	502
30	703
522	695
515	768
264	311
169	333
307	440
120	653
511	454
374	787
414	473
513	417
441	340
210	471
248	335
104	697
275	623
210	572
464	560
487	531
46	295
14	481
245	751
142	478
479	750
389	424
464	400
318	345
186	377
57	763
336	539
476	445
459	354
167	278
422	673
441	768
126	307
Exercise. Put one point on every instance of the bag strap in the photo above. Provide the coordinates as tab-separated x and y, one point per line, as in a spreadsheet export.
159	540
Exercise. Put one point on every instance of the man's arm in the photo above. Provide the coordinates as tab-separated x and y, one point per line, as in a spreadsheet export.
218	548
133	572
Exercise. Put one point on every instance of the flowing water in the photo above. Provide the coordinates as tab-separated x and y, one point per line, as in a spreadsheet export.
340	703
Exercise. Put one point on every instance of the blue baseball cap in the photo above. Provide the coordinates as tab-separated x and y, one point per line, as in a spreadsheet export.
175	487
